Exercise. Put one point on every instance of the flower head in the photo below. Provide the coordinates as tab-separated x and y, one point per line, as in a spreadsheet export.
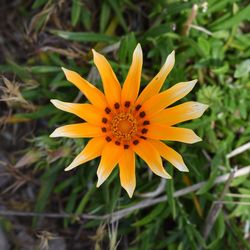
122	124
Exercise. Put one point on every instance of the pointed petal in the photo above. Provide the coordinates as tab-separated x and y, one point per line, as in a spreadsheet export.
170	155
110	157
94	95
163	132
111	85
167	97
87	112
156	83
127	171
152	157
132	83
78	130
180	113
92	150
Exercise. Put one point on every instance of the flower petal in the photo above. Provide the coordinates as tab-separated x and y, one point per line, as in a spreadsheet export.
180	113
110	157
132	83
127	171
152	157
94	95
78	130
170	155
156	83
163	132
167	97
87	112
111	85
92	150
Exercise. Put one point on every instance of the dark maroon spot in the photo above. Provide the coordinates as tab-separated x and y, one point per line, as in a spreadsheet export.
104	120
138	107
104	129
135	142
126	146
144	130
127	104
146	122
117	143
108	139
107	110
142	114
143	137
117	105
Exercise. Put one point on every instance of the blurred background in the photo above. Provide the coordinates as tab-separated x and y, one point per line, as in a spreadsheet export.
43	207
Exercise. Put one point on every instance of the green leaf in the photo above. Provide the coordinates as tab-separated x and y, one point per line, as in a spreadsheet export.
84	36
85	200
217	160
105	16
47	184
118	11
75	11
204	44
234	20
170	192
151	216
44	69
38	3
243	69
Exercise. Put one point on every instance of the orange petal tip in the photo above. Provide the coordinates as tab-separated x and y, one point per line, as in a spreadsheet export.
181	167
130	191
201	108
193	81
99	182
54	101
172	55
204	107
95	53
70	167
58	104
76	162
198	139
55	134
64	70
138	47
164	175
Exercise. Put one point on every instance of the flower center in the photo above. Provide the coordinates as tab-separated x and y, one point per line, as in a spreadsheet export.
123	126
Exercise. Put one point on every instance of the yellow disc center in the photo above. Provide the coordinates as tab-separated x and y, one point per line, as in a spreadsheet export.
123	126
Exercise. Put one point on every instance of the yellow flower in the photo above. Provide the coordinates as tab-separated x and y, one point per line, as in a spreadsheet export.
123	123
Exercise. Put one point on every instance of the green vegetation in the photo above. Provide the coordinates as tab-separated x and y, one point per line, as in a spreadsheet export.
212	44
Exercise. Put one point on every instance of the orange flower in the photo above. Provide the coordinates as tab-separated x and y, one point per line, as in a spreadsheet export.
123	123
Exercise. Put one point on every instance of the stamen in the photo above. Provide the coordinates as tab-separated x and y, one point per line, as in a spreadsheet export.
146	122
117	105
142	114
135	142
127	104
126	146
104	120
123	126
144	130
138	107
107	110
108	139
104	129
